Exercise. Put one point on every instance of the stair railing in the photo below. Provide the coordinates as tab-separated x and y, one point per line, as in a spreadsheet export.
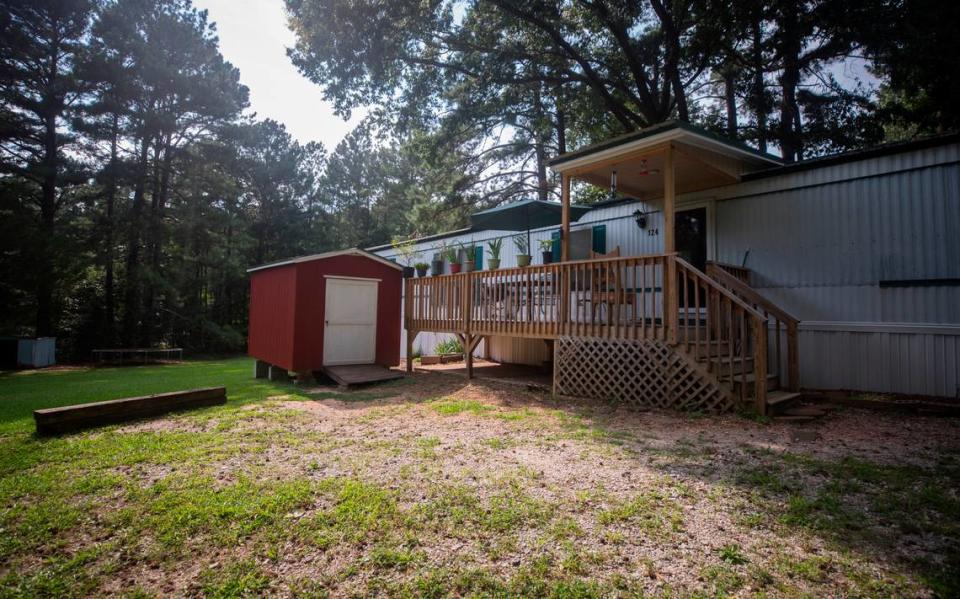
723	331
777	320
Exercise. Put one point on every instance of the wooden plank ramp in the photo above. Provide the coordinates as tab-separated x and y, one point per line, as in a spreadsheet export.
54	421
360	374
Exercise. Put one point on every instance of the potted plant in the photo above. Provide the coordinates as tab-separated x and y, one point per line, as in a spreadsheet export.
406	254
451	255
422	268
493	248
523	250
469	257
546	248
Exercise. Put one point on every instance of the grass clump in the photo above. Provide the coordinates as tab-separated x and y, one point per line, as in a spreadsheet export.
453	407
652	511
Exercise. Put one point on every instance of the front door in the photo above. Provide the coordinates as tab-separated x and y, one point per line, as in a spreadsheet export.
690	235
350	322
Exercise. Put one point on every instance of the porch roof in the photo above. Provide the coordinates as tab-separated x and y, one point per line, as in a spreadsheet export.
702	160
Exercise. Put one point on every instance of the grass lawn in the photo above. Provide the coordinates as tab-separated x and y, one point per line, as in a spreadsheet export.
430	486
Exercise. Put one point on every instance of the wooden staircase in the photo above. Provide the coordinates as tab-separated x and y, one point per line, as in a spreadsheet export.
744	341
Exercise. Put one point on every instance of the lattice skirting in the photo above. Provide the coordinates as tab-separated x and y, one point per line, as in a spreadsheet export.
642	373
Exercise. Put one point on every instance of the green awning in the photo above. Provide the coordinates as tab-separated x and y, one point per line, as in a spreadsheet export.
523	216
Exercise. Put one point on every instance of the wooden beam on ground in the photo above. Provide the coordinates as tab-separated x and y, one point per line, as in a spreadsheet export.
53	421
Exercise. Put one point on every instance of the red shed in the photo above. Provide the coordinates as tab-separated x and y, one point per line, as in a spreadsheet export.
325	310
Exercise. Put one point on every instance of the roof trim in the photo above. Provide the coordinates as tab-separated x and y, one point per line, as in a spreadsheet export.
888	149
661	132
434	237
312	257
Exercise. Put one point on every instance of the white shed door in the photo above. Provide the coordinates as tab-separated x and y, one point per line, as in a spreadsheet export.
350	322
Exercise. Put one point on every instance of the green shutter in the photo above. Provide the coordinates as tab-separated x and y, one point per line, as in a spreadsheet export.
555	246
600	239
478	257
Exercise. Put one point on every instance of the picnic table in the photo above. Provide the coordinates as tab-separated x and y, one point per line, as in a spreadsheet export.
140	355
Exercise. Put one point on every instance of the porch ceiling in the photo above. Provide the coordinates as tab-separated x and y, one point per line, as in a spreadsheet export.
641	175
701	160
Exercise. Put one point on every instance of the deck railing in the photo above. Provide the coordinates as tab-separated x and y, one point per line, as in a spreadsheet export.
656	296
781	327
609	297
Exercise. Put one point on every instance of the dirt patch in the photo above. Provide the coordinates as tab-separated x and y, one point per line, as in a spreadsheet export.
438	483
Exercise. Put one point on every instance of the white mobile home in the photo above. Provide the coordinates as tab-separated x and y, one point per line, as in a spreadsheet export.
861	251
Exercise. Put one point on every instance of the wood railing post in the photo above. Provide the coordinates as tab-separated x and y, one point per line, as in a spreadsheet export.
793	355
563	286
467	300
671	307
760	364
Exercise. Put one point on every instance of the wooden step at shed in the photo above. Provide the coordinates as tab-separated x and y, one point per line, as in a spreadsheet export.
360	374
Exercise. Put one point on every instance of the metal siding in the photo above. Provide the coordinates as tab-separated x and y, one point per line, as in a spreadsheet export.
882	362
831	245
36	353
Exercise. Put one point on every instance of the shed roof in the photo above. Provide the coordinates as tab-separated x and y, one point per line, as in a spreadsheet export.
312	257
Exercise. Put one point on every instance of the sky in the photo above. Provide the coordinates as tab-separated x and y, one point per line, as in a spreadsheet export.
254	37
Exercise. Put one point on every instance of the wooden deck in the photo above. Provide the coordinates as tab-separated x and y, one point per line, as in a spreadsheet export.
718	320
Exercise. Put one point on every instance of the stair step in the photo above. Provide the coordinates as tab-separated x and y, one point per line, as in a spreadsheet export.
779	397
749	379
724	360
712	350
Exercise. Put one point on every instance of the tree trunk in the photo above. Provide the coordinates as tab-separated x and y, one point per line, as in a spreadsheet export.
132	314
790	48
758	94
730	96
543	185
110	306
48	211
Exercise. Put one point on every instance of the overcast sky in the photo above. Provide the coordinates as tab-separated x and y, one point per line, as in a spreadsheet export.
254	37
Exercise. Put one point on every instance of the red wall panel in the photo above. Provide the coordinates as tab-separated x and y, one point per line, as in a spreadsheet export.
287	310
273	294
311	293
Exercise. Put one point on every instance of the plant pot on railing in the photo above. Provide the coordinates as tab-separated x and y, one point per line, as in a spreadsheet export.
547	257
422	269
469	266
523	260
436	268
454	268
408	272
493	263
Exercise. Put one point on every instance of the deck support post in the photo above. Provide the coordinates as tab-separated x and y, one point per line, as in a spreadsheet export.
411	335
564	217
793	364
760	365
469	343
671	306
